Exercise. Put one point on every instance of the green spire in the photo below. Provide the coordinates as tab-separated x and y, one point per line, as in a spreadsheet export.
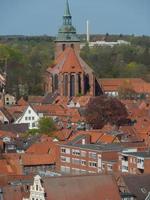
67	32
67	9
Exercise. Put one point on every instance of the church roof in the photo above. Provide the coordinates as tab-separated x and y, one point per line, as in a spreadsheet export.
69	62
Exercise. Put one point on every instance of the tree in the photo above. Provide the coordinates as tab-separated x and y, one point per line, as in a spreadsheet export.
46	126
102	110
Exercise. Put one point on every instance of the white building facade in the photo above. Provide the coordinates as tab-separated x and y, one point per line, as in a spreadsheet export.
36	190
30	116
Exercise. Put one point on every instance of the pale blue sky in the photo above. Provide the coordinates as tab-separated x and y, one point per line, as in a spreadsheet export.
39	17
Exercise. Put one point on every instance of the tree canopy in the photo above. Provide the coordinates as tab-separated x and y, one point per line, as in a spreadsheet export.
102	110
28	58
46	126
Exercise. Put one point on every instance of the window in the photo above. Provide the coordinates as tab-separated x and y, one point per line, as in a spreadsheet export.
109	167
65	150
32	118
75	171
26	118
55	82
92	155
92	164
76	161
72	85
103	166
83	162
66	85
76	152
29	111
65	159
65	169
29	118
140	160
83	153
37	187
33	125
124	167
83	171
92	172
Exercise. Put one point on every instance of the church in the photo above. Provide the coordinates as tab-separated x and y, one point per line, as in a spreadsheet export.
70	76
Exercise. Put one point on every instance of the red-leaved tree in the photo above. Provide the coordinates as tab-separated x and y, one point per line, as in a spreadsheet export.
102	110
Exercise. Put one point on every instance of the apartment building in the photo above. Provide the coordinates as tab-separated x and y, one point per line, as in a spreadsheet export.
134	162
81	157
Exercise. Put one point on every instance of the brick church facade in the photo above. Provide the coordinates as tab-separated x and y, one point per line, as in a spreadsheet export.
70	75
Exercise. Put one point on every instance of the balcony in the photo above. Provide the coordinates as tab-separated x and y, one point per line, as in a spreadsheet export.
140	164
124	166
124	163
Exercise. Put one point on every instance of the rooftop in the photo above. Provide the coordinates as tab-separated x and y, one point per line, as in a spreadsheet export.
145	154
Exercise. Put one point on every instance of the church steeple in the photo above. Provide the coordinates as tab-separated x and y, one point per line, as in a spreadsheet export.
67	18
67	32
67	36
67	9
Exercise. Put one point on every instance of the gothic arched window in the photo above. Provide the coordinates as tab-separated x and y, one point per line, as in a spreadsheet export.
72	85
86	84
55	82
66	85
79	84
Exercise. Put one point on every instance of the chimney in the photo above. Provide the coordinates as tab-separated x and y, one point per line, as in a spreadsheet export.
87	33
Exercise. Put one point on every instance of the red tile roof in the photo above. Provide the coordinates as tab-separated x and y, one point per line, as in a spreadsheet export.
7	134
45	147
5	167
71	63
22	102
63	134
101	187
35	99
138	85
67	61
37	159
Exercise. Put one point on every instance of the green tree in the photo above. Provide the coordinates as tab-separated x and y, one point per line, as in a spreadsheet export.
46	126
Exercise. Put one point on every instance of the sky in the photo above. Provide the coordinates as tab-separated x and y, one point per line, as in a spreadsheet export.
44	17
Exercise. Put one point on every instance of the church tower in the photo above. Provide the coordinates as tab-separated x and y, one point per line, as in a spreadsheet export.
70	76
67	36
